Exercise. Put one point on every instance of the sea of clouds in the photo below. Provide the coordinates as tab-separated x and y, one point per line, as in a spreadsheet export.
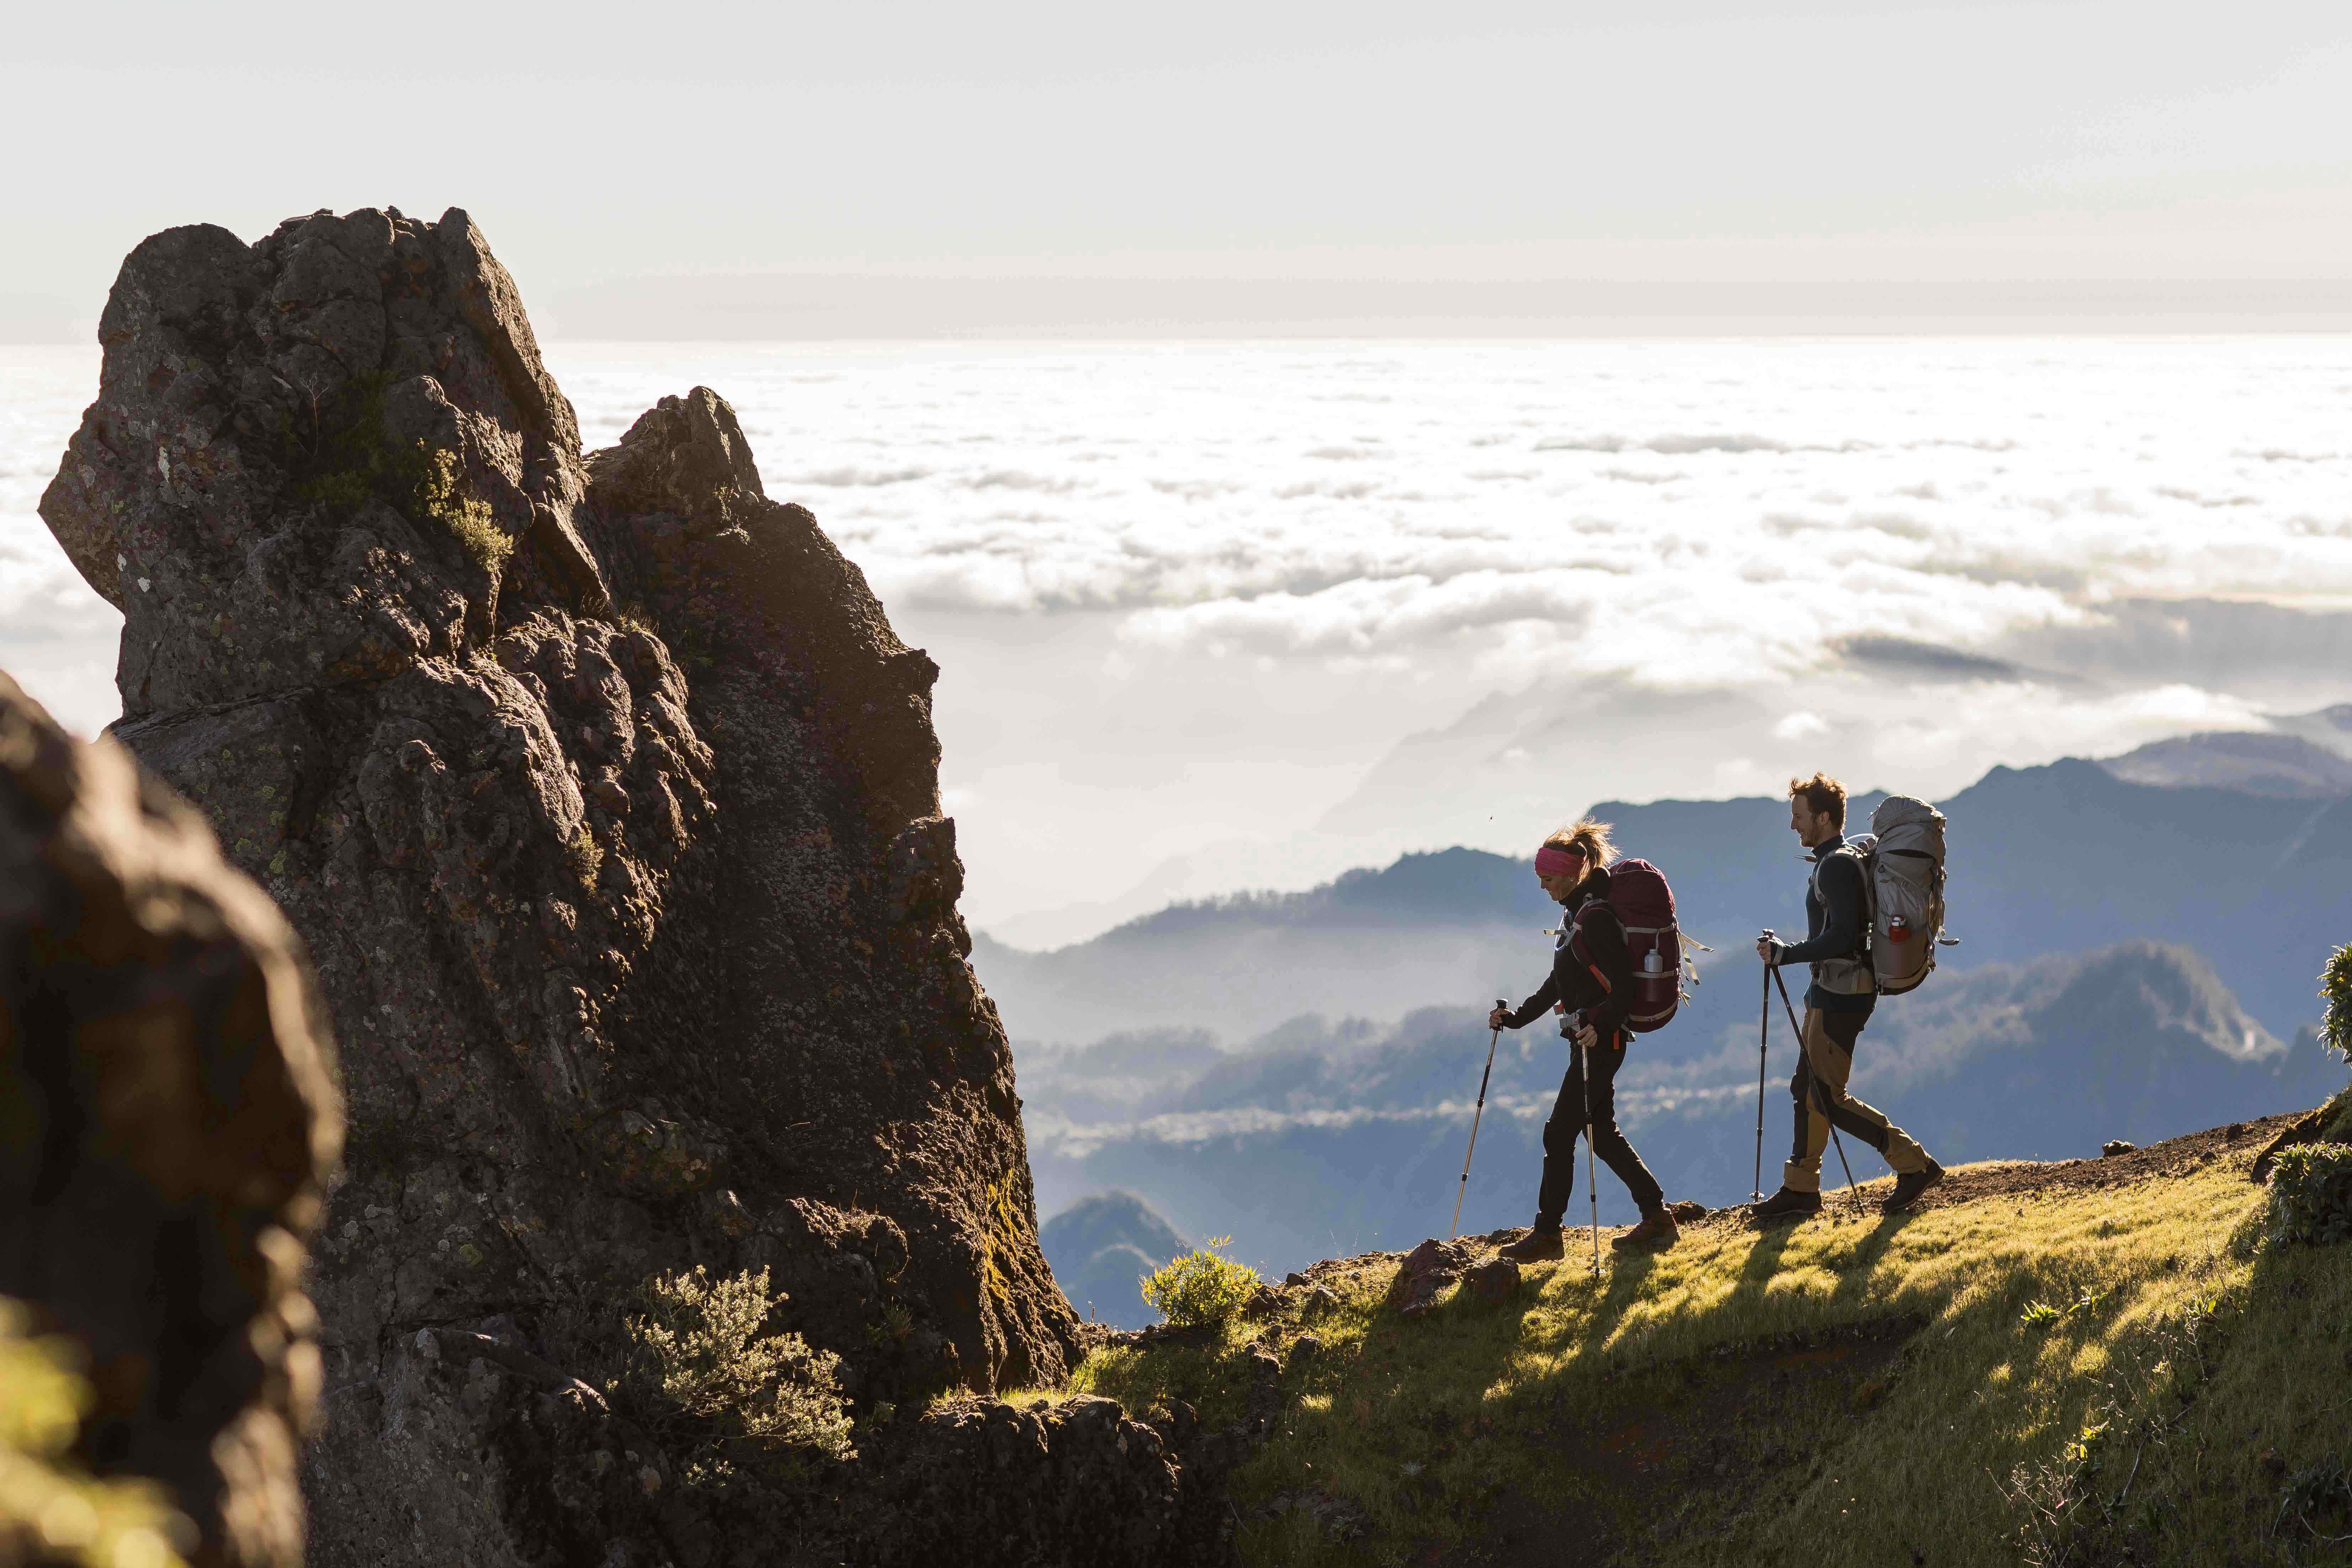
1246	615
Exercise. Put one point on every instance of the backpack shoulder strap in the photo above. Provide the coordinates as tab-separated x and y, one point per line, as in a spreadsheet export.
1858	856
1855	855
1585	911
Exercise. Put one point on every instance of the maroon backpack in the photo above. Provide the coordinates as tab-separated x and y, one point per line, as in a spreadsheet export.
1644	906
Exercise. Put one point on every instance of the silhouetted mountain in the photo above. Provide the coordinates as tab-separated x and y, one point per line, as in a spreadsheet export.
2049	859
1101	1247
1321	1139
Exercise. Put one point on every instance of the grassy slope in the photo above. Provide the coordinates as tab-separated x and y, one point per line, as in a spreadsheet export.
1845	1390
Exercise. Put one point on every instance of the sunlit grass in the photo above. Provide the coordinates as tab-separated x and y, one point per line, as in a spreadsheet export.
2026	1322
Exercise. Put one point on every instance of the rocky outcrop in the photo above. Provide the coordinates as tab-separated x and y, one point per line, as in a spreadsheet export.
167	1122
1427	1270
606	800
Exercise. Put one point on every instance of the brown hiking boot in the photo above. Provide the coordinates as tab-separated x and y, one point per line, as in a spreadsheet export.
1785	1205
1538	1245
1910	1186
1654	1234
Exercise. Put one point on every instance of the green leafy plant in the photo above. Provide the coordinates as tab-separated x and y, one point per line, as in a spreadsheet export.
2311	1194
1199	1289
2320	1494
340	458
896	1324
2083	1449
2336	991
705	1370
2044	1313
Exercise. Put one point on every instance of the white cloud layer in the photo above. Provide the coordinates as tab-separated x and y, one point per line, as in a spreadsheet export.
1216	615
1355	503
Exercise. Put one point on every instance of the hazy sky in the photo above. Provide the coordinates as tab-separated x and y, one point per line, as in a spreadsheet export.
1216	617
1679	140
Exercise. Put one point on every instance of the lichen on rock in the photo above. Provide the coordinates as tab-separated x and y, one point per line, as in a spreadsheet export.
607	799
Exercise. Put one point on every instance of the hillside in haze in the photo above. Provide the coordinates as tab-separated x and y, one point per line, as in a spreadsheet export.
1101	1247
1320	1138
2054	859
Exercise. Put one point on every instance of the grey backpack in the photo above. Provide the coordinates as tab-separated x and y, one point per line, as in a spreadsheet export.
1902	861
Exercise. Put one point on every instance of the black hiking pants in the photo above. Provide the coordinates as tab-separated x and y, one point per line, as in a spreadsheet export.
1569	1118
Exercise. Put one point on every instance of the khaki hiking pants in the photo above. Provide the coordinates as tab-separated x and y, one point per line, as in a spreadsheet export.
1819	1088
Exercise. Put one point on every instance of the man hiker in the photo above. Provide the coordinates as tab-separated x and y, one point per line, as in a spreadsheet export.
1594	999
1837	1004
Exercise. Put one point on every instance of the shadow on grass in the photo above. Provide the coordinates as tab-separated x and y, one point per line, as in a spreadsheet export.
1539	1429
1536	1428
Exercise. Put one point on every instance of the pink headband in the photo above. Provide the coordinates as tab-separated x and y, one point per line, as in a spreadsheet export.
1551	862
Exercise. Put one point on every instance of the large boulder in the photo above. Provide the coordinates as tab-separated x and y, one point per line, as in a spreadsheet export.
607	801
167	1122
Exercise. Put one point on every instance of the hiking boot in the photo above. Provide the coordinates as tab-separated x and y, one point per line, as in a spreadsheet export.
1539	1244
1655	1232
1788	1204
1909	1185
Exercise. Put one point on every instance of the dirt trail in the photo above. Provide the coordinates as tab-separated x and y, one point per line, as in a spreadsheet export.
2237	1142
2185	1155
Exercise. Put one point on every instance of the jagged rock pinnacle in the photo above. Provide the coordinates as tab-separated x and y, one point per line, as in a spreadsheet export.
606	800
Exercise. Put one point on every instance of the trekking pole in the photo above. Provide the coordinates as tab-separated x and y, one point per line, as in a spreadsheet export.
1834	1139
1591	1181
1454	1223
1763	1049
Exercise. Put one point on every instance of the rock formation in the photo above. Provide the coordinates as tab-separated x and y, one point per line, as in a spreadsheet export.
606	800
167	1122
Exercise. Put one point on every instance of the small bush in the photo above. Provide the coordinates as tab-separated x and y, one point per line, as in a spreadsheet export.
438	495
585	857
2311	1194
2335	990
1199	1288
705	1369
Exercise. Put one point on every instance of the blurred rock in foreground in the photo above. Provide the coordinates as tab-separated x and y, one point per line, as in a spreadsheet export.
168	1117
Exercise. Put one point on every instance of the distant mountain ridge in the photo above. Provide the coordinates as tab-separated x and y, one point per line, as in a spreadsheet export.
2051	859
1101	1247
2286	765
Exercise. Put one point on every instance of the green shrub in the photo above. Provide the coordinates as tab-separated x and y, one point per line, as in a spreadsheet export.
705	1373
585	857
439	495
1199	1288
2311	1194
2335	990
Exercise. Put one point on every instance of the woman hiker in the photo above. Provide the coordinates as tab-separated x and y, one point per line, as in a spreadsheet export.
1593	998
